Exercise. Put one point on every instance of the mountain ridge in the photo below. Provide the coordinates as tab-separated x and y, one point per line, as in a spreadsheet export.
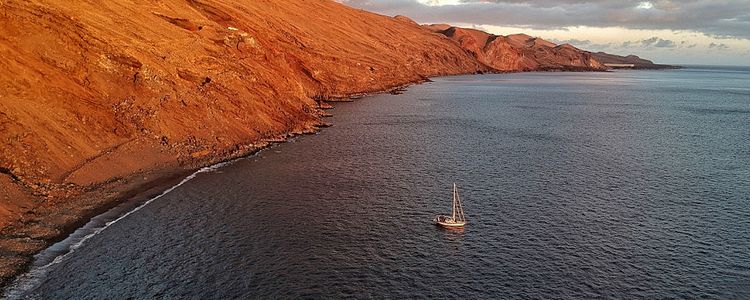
521	52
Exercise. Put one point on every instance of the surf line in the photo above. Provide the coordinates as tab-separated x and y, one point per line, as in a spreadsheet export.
57	252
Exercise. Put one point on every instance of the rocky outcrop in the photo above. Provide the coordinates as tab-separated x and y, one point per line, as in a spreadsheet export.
519	52
630	62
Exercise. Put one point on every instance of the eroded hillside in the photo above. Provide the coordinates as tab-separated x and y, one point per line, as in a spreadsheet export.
96	94
88	85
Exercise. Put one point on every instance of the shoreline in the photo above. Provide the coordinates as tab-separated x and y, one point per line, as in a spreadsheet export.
165	93
18	254
110	212
108	216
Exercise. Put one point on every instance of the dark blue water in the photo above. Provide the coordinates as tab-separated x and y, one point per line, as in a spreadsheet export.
629	184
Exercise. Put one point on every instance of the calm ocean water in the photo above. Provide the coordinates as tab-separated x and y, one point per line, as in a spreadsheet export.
629	184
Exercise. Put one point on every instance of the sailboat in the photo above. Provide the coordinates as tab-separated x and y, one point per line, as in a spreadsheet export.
456	219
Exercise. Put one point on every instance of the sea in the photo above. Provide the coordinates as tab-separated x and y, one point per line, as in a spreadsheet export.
623	185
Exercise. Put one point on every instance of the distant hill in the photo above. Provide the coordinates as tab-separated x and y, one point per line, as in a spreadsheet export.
519	52
630	61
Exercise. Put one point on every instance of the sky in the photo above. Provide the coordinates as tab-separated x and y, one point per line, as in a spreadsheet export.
665	31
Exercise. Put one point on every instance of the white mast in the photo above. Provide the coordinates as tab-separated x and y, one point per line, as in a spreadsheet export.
457	219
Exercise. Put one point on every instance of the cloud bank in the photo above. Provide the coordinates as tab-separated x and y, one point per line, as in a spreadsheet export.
717	18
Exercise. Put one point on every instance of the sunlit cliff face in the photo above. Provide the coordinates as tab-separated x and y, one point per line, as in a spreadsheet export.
667	31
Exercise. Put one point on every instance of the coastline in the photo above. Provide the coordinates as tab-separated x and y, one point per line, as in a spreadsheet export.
22	240
146	109
204	238
17	253
148	113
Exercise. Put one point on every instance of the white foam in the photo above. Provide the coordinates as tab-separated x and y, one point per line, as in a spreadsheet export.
60	250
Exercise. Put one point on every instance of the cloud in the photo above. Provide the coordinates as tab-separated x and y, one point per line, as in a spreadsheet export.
653	42
584	44
574	42
686	44
716	46
650	42
479	27
727	18
659	43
